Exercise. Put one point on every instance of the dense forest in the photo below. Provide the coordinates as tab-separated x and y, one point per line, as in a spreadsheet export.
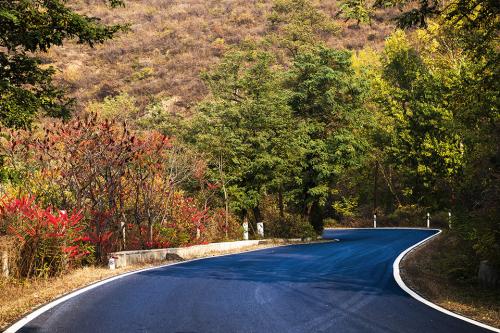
293	113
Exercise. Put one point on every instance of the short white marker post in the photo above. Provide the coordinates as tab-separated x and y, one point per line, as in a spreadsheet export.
374	220
428	220
245	230
111	263
449	220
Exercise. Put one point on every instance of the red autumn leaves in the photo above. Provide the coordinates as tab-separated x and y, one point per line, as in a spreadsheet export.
124	189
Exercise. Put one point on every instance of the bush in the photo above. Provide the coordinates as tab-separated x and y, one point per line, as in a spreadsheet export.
120	107
293	226
407	216
118	178
299	227
50	241
218	228
331	223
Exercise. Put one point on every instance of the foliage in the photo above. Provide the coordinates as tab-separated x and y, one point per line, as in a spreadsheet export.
424	144
49	241
298	24
248	130
127	184
162	116
328	97
26	27
291	132
440	131
120	107
358	10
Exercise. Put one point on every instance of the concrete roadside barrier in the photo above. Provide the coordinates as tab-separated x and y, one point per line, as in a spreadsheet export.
125	258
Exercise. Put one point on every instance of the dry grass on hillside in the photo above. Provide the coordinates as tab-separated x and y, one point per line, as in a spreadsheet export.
171	42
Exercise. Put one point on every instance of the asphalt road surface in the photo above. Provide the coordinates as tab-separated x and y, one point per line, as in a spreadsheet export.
347	286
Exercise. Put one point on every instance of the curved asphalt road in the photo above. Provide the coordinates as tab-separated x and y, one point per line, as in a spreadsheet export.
328	287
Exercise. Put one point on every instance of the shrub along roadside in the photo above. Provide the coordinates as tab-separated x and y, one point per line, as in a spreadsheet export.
126	190
48	242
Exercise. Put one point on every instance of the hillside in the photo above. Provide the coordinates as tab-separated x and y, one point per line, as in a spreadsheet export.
171	42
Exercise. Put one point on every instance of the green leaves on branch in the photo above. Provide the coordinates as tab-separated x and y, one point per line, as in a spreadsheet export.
326	95
424	144
297	25
359	10
26	88
284	133
247	127
28	26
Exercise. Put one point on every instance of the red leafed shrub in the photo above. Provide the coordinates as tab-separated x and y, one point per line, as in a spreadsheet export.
188	224
137	189
50	241
221	227
183	223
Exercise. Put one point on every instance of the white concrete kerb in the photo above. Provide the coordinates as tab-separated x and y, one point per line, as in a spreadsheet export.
402	285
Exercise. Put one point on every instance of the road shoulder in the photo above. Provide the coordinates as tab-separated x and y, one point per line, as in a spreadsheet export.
420	269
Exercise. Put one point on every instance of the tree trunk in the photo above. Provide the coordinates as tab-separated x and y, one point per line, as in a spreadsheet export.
375	188
226	199
257	214
281	206
316	217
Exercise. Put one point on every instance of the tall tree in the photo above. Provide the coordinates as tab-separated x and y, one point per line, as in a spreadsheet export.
328	97
28	27
298	24
425	147
247	126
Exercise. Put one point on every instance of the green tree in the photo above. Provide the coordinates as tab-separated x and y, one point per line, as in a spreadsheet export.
28	27
358	10
247	129
439	92
328	97
424	145
298	24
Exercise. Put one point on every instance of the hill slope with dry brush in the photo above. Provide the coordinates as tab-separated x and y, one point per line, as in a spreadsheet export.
171	42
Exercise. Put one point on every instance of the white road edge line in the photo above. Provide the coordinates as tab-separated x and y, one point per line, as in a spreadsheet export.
402	285
395	267
44	308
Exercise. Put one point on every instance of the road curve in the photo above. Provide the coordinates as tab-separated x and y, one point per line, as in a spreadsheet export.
347	286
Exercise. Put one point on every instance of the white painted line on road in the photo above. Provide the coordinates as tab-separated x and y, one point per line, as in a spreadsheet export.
399	280
26	319
382	228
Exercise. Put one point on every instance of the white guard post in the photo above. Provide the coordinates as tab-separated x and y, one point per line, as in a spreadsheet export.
260	229
428	220
245	230
374	220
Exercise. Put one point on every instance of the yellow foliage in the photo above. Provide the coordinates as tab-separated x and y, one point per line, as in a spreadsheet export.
121	107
